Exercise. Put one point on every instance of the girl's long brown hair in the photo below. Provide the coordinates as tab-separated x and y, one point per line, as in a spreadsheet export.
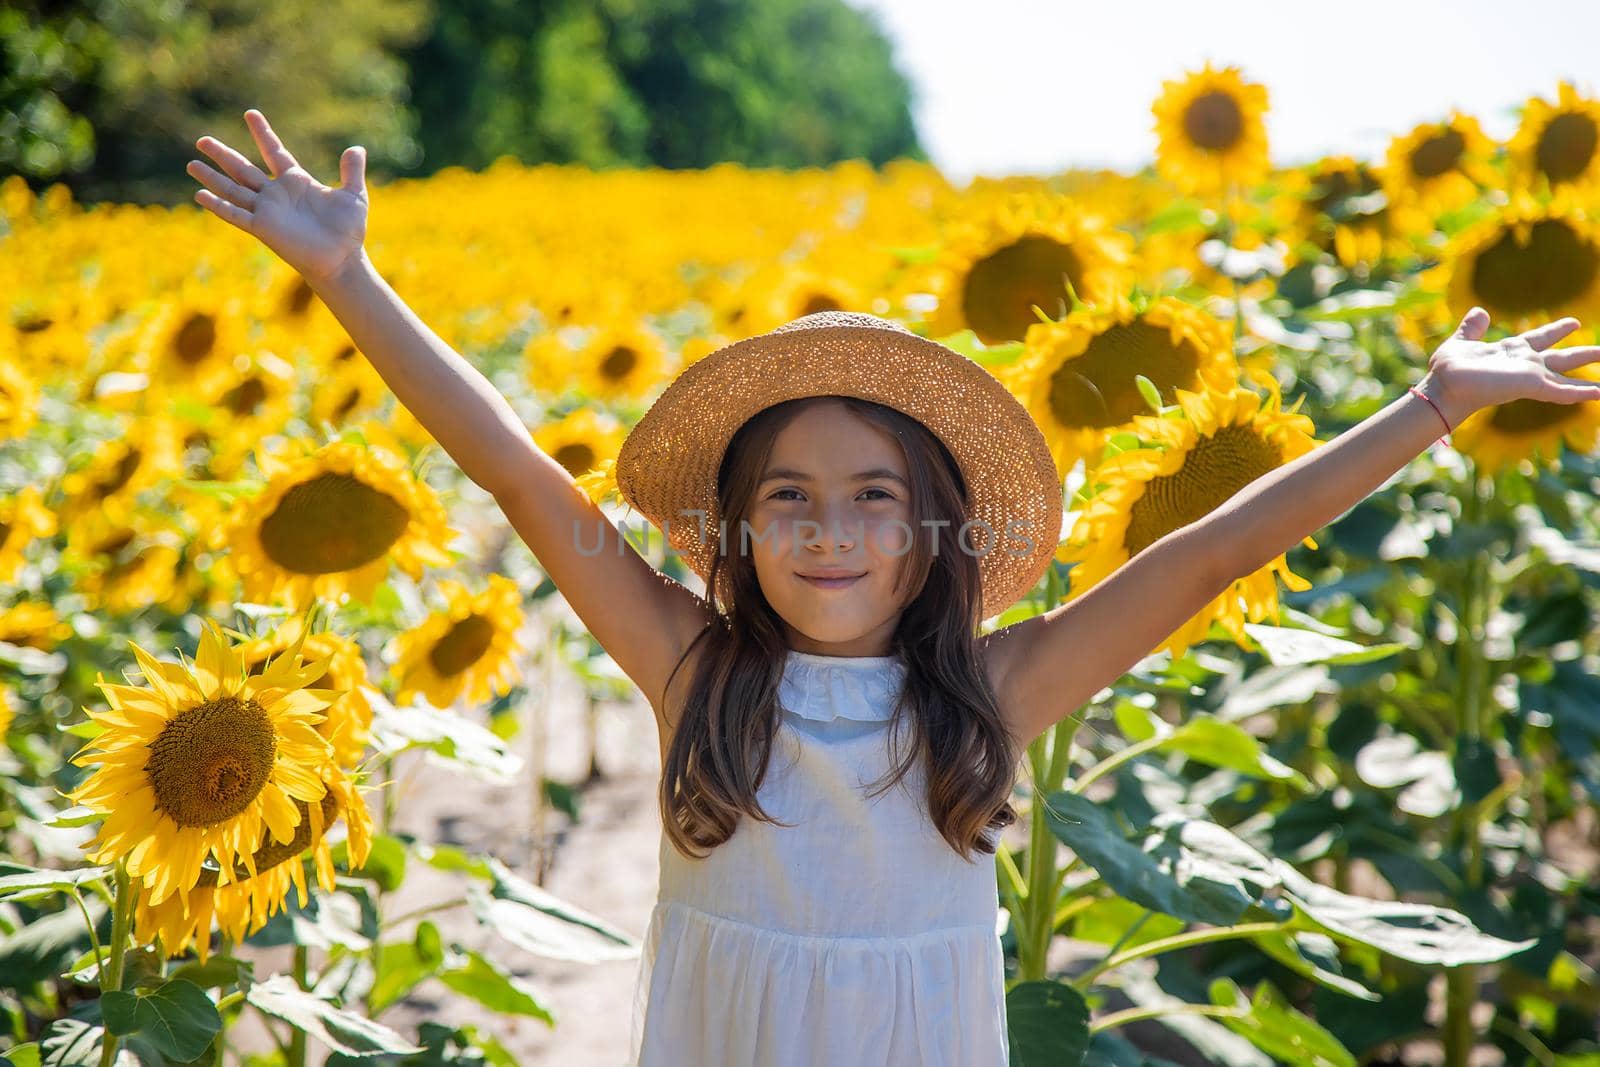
720	747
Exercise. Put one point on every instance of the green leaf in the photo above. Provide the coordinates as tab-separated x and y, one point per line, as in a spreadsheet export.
481	979
177	1017
1419	933
402	965
1285	646
1277	1029
341	1030
216	972
1227	744
78	815
451	858
1148	390
41	882
386	862
542	923
25	1055
1197	891
1047	1024
1314	955
71	1043
450	740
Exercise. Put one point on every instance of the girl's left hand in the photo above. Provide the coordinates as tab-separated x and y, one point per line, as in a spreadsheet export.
1469	373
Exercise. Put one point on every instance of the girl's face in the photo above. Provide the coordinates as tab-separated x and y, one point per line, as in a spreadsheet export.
834	497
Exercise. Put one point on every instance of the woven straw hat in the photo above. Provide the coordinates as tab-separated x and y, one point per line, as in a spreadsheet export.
667	467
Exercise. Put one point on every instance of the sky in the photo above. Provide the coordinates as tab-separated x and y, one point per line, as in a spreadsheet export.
1033	86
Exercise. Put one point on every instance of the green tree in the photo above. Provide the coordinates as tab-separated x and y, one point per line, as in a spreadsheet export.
672	83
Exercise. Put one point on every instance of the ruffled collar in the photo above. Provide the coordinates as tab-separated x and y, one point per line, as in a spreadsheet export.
824	688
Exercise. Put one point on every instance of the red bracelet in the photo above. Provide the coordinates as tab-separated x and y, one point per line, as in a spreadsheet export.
1435	407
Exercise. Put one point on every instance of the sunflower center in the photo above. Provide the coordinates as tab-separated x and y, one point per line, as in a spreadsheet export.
195	338
209	763
618	363
1213	120
1437	155
274	851
1554	267
1097	388
820	302
576	457
333	522
1216	468
5	533
120	474
1566	146
246	397
346	404
462	646
1001	289
1526	415
299	297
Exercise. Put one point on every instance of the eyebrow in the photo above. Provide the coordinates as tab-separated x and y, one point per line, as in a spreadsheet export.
776	473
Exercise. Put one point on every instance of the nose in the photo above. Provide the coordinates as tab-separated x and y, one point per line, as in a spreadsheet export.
839	529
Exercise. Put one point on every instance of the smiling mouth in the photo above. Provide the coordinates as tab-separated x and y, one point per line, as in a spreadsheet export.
832	583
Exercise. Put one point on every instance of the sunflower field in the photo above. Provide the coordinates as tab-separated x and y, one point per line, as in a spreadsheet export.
1346	814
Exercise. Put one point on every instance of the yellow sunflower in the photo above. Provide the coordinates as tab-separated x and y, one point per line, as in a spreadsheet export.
622	362
786	291
189	341
331	520
1211	132
469	647
203	760
580	441
149	453
1224	442
347	722
1504	435
23	520
243	906
1530	263
19	399
250	402
1018	251
1344	211
124	562
1077	376
34	623
1438	166
1559	143
349	393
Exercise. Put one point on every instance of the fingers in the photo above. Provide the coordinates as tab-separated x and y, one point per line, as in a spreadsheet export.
222	185
1473	325
1564	359
1542	337
272	150
353	169
1565	390
238	167
223	209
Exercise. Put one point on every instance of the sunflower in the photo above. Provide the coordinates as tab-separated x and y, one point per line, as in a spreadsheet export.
35	624
189	341
347	722
19	399
622	362
1076	376
1343	210
1530	263
552	366
1224	442
1211	132
581	440
349	393
124	562
1019	251
252	401
1503	435
331	520
148	454
787	291
1438	166
1560	142
23	520
243	906
468	647
203	760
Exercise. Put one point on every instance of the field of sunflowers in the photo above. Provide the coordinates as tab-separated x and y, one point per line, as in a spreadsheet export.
1348	820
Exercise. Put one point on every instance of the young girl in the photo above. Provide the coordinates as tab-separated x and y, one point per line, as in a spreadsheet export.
838	743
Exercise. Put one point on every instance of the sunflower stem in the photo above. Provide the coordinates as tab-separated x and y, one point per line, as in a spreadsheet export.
297	1037
111	972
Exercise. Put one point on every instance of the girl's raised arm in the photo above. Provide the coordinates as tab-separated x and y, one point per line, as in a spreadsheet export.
640	616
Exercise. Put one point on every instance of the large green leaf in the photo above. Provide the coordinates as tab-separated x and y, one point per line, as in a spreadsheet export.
1209	740
341	1030
485	981
1287	646
1420	933
1196	879
1276	1028
40	882
1314	955
542	923
1047	1024
449	740
177	1017
401	965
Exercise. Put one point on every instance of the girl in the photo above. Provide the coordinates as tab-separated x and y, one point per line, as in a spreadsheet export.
856	499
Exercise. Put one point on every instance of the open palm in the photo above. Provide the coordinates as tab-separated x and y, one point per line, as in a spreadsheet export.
314	228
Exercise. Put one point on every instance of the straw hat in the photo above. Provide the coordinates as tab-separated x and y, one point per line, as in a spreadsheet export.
667	467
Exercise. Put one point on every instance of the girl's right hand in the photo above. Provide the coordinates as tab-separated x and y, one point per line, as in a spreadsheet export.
315	229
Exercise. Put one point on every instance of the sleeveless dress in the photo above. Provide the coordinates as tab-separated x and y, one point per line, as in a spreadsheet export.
854	938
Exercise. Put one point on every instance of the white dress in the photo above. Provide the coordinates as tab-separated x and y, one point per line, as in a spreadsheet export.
855	938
